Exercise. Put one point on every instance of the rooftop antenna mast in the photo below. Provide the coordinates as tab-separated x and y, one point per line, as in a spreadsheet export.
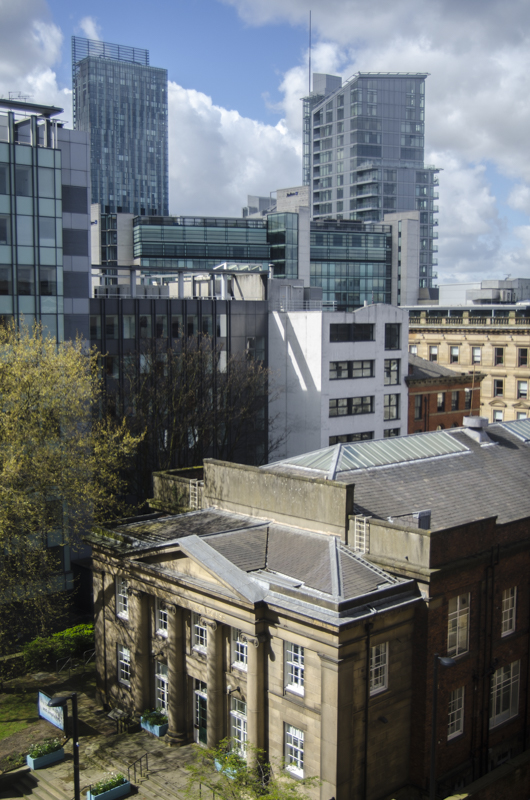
309	76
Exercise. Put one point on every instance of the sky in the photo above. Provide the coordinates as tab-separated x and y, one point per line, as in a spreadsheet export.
238	68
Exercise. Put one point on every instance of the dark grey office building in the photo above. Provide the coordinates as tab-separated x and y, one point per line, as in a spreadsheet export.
364	153
122	102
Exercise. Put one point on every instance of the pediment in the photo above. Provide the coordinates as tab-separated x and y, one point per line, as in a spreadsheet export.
498	403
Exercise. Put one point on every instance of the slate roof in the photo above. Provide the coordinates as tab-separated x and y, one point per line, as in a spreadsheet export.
483	481
422	369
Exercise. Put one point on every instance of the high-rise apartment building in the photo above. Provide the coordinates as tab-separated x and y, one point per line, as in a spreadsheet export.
122	102
364	153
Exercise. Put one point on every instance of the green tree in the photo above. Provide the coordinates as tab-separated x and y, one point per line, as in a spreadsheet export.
61	468
234	775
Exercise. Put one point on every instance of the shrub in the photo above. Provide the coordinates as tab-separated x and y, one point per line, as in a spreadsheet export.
155	717
45	748
106	784
43	652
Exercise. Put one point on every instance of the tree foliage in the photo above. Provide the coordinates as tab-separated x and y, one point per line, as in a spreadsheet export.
61	468
193	403
233	775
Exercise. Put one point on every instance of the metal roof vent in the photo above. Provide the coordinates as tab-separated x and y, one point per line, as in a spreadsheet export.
475	427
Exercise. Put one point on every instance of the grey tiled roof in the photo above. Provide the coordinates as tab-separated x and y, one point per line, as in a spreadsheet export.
421	369
196	523
248	551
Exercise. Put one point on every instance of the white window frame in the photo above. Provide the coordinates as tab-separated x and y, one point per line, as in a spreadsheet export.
124	664
122	597
504	695
509	608
458	625
162	686
497	415
238	726
161	617
522	390
455	720
239	649
476	355
199	633
294	668
378	668
294	750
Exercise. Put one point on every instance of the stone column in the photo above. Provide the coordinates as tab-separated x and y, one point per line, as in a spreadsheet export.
214	683
140	678
255	690
176	734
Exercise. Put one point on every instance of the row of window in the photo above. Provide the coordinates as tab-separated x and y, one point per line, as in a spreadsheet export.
458	621
364	332
350	406
476	355
343	370
498	388
442	402
504	700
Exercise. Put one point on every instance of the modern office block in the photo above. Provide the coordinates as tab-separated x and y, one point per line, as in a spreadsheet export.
122	102
44	221
365	143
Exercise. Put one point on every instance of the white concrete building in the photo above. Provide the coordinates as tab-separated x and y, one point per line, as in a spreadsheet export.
342	376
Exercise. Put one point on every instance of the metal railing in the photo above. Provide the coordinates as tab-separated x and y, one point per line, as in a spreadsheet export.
67	662
140	768
303	305
196	492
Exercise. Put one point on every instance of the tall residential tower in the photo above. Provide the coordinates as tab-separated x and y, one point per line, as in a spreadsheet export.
122	102
364	153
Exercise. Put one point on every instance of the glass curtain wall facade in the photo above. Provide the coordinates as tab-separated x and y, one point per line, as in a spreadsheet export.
31	231
366	155
122	102
351	262
197	243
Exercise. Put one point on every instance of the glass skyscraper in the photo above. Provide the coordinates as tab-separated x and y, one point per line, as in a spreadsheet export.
122	102
364	153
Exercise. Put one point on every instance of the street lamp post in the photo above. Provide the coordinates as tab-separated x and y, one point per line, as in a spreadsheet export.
61	701
445	661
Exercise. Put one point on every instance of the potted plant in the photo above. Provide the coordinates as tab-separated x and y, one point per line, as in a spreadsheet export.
115	785
155	722
45	753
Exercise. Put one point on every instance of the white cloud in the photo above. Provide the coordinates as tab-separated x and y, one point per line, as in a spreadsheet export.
218	157
90	28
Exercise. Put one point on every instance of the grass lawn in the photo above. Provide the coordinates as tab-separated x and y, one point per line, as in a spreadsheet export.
17	711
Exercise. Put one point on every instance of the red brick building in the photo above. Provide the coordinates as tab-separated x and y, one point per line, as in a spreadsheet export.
440	398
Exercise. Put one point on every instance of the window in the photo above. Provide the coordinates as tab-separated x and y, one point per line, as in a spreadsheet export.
162	686
440	401
454	401
458	632
476	355
124	665
509	597
129	326
122	597
390	432
340	370
392	336
413	349
498	356
238	725
294	668
521	415
522	360
497	416
453	354
239	649
522	389
467	399
418	406
349	406
504	700
199	633
294	750
392	371
391	407
433	352
455	724
351	437
498	387
161	617
348	332
379	668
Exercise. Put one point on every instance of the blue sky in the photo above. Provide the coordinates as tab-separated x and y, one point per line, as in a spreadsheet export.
237	70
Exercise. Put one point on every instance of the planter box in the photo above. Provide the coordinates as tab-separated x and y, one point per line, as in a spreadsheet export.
156	730
45	761
118	791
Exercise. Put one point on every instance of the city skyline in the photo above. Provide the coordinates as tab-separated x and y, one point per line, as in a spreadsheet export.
253	58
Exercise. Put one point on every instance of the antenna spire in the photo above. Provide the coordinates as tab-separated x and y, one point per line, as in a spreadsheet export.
309	76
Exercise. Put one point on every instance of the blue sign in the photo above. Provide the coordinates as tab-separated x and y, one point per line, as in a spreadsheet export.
53	715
